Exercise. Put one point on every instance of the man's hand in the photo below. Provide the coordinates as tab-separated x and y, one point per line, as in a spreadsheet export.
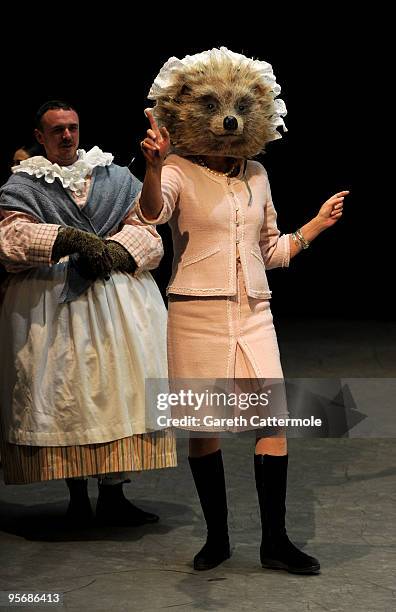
120	257
94	259
156	145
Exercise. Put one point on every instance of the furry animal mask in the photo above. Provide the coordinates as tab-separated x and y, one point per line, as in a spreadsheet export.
218	103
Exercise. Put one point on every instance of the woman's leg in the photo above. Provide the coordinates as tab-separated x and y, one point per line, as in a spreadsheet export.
272	445
206	465
198	447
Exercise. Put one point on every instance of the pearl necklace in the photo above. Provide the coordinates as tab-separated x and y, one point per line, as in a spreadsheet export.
215	172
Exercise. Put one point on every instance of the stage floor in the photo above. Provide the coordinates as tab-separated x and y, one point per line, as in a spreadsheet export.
341	509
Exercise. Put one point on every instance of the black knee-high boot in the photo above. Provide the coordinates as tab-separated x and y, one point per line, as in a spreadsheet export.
208	474
276	551
79	511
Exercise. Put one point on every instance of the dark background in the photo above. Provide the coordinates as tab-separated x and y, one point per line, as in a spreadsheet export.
331	70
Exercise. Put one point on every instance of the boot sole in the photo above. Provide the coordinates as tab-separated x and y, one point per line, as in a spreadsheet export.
211	565
278	565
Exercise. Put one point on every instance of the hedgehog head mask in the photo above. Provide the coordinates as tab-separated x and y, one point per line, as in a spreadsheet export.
218	103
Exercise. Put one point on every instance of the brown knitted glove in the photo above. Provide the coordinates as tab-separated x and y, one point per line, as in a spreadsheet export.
119	256
122	260
92	249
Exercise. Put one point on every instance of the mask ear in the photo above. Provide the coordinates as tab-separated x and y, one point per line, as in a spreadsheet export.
183	92
260	90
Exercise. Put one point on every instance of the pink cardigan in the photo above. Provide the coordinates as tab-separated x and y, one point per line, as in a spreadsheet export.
210	218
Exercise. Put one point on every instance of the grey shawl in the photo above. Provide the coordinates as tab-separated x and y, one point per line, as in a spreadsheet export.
112	193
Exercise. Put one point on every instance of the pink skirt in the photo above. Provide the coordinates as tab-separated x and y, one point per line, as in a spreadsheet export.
229	338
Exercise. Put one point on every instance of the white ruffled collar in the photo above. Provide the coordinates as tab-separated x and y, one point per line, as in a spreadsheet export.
72	177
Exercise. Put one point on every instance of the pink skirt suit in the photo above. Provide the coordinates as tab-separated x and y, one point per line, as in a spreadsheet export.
224	236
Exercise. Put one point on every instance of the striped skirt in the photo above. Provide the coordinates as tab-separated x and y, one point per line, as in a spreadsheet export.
26	464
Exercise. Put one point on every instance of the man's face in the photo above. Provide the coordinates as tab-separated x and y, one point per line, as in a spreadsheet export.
59	135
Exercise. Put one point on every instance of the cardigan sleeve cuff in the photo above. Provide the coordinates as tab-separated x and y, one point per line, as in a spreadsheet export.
144	219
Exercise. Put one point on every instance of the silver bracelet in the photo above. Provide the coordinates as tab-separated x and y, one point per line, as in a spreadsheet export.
304	243
295	239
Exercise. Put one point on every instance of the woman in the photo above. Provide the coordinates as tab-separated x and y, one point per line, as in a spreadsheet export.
220	110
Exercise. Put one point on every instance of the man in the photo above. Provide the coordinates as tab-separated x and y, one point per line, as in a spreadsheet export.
82	322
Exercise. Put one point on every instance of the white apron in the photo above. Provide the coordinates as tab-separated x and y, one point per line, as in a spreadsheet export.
75	373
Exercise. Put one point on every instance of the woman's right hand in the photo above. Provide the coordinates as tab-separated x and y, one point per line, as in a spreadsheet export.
155	146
